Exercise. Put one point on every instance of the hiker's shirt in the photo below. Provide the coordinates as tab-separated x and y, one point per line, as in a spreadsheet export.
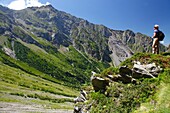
155	38
156	31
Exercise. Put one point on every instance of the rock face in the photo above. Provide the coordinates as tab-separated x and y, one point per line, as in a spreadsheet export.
119	50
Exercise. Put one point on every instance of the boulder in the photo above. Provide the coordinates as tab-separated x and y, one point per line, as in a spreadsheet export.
99	84
125	74
125	79
145	71
124	70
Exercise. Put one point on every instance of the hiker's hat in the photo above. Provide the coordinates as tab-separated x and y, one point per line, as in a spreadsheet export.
156	26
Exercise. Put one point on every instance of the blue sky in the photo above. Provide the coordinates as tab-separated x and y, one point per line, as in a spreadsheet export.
136	15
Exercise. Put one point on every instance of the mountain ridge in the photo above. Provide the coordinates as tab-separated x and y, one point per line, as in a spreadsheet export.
53	30
64	28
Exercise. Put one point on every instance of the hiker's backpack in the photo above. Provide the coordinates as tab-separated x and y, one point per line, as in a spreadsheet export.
161	36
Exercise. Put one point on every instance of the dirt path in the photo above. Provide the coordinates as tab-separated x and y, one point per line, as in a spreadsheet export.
6	107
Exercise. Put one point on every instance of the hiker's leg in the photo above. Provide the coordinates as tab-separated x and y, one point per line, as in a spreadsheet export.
156	49
155	46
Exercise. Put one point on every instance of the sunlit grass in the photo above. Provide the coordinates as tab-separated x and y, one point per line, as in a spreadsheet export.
160	103
16	84
18	77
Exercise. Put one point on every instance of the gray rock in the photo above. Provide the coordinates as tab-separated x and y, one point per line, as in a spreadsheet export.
82	97
9	52
145	71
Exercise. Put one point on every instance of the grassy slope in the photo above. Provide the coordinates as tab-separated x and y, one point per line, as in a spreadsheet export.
70	67
24	84
28	81
16	83
161	101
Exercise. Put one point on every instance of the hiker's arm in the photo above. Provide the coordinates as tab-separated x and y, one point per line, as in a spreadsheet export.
154	35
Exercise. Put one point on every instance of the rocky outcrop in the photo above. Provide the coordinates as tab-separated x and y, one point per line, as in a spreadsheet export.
146	71
127	75
141	71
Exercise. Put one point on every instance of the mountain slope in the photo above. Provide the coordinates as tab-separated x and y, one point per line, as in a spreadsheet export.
60	28
26	86
63	46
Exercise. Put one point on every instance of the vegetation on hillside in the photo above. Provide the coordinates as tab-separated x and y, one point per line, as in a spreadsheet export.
43	75
23	84
69	66
160	101
147	95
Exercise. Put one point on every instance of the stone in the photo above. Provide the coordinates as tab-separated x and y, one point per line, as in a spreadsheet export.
99	84
125	74
124	70
82	97
145	71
